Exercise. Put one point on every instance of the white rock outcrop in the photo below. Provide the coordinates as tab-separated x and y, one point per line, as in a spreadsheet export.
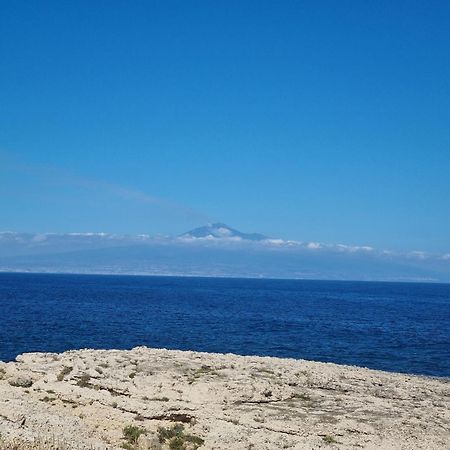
153	399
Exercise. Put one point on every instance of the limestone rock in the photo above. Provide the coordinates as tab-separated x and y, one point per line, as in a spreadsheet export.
102	399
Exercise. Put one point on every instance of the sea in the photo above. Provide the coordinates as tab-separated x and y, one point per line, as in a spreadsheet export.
397	327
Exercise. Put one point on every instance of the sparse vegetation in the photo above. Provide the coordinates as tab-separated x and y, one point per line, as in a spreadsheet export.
168	433
329	439
21	382
131	435
65	371
266	370
84	380
304	397
178	439
203	370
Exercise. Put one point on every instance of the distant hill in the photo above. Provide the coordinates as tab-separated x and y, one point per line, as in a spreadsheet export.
221	231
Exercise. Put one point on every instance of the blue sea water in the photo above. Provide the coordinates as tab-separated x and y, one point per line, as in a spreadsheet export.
390	326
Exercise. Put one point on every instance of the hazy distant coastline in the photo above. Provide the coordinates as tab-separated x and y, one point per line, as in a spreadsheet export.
43	271
217	251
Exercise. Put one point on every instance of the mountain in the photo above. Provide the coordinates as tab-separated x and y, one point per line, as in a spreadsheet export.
221	231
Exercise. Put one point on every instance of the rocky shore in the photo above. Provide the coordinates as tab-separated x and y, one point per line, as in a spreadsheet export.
162	399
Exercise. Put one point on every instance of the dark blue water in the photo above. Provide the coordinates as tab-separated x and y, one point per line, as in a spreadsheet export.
389	326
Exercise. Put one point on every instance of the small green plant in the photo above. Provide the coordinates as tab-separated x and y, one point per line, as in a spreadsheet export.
304	397
329	439
165	434
127	446
178	439
65	371
266	370
21	382
177	443
131	434
84	380
158	399
203	370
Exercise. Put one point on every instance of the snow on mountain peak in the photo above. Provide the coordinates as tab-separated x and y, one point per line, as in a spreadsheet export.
221	231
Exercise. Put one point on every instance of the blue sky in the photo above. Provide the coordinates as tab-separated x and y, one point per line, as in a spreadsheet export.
324	121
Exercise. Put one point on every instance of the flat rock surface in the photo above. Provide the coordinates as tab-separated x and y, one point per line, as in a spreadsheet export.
84	399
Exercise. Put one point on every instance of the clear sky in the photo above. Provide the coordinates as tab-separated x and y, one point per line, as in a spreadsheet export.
311	120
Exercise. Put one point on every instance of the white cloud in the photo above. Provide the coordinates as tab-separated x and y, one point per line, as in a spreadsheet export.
222	238
354	248
144	237
223	231
39	238
88	234
313	245
418	254
274	242
209	238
